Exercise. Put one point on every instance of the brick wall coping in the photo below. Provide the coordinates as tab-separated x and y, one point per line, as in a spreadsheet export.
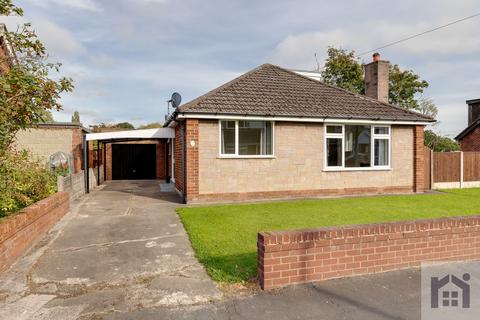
302	238
10	225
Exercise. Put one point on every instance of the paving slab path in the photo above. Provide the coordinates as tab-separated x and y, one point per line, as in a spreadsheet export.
121	249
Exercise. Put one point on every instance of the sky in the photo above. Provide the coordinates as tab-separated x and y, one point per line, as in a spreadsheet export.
126	57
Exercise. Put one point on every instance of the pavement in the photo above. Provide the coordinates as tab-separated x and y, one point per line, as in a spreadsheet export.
122	253
388	296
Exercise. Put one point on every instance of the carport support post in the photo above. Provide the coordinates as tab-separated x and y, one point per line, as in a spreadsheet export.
85	164
104	162
98	163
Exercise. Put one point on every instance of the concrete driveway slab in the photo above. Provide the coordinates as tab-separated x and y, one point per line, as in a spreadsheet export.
123	248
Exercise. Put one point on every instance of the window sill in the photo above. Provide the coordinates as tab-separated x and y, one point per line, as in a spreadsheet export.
356	169
245	157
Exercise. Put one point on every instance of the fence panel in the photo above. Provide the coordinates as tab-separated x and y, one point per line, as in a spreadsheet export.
471	166
446	166
93	162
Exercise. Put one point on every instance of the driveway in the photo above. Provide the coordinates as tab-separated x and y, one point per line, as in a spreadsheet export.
122	254
123	248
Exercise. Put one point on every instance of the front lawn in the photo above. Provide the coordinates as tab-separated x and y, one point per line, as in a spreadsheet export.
224	237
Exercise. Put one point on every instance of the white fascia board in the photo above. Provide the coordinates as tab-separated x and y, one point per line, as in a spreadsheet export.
157	133
297	119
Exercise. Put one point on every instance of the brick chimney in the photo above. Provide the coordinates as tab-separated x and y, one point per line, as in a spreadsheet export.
473	110
376	78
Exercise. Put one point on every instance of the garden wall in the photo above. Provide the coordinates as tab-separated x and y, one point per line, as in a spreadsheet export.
289	257
74	184
19	231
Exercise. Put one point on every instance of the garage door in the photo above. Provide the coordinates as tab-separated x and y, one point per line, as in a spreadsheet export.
133	161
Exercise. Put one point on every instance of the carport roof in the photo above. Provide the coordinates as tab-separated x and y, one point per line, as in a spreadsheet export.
157	133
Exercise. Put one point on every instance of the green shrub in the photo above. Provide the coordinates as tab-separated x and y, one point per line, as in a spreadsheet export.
23	181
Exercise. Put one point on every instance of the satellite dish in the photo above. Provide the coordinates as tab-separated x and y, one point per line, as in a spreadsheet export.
176	99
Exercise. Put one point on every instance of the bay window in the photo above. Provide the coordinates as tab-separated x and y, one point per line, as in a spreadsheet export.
246	138
357	146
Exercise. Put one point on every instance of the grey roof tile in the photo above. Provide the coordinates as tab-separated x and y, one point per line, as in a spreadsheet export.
269	90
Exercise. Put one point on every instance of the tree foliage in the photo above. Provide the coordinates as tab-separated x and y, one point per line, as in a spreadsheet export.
439	143
112	127
343	69
76	117
23	181
150	125
404	85
27	91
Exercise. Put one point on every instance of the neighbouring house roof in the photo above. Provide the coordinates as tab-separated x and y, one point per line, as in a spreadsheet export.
59	125
6	53
468	129
269	90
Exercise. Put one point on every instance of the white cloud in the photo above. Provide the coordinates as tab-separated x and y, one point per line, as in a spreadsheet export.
197	78
60	42
78	4
154	1
298	50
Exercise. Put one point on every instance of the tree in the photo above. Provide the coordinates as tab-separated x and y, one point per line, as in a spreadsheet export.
427	107
45	116
104	127
344	70
403	87
439	143
76	117
125	125
27	92
150	125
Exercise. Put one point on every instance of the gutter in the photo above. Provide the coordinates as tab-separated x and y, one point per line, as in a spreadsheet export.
300	119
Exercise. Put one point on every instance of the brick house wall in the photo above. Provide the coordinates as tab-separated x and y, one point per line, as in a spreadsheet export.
44	140
192	168
4	60
297	169
290	257
178	157
192	151
77	151
471	142
419	159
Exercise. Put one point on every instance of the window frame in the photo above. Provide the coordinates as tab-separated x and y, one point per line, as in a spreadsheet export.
373	137
236	155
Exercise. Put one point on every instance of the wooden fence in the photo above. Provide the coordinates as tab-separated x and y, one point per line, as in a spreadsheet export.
451	169
94	159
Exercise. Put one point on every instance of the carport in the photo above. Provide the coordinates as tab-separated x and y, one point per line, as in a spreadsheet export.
133	154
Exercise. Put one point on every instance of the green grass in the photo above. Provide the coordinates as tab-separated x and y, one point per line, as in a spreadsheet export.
224	237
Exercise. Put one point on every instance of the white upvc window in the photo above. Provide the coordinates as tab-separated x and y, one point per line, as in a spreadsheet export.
357	147
246	139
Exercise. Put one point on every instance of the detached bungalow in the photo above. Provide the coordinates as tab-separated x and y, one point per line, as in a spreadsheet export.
273	133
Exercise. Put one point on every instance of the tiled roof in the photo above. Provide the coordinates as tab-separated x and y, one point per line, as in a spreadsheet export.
467	130
269	90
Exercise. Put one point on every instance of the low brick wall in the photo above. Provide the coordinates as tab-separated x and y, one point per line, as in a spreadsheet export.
290	257
19	231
